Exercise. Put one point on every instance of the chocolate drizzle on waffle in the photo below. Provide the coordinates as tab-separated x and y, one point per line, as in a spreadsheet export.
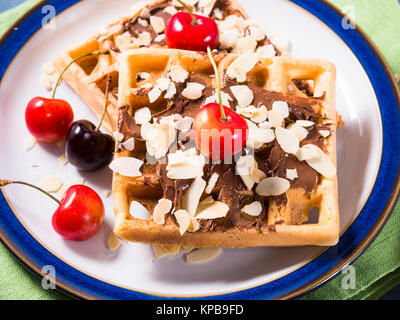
271	159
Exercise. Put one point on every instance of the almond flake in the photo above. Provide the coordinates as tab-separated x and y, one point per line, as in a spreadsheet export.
287	140
258	175
253	209
190	168
143	22
106	193
161	209
145	13
118	136
63	160
50	184
143	75
241	66
113	242
260	115
129	144
257	32
184	124
157	23
300	132
283	108
218	13
126	166
272	186
49	76
142	115
171	91
29	143
159	251
321	163
281	42
159	139
324	133
193	91
144	39
214	211
178	74
183	219
202	255
291	174
170	10
228	38
159	38
267	51
265	125
305	123
275	118
243	95
192	195
258	136
171	249
212	182
245	44
154	94
163	83
226	98
305	153
245	167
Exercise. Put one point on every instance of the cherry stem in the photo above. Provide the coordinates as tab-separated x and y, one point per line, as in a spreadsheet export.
4	183
108	81
223	116
194	21
94	53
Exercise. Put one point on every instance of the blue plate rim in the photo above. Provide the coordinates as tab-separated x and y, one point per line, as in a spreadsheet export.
18	240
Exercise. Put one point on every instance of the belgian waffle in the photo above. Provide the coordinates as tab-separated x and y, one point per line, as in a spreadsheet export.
284	218
87	76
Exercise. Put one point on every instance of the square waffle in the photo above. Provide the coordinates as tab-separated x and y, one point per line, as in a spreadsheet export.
285	218
88	76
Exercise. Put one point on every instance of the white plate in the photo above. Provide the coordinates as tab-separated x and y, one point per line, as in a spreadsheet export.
134	266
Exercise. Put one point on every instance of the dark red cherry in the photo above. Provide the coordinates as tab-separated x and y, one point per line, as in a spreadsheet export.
86	148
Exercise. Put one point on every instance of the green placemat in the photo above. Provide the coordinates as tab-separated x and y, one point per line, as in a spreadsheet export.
376	271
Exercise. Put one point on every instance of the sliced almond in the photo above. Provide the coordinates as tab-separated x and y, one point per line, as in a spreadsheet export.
253	209
142	115
126	166
143	75
306	153
325	133
305	123
154	94
157	23
283	108
183	219
212	182
68	185
159	38
226	98
275	118
261	115
159	139
257	175
194	226
50	184
215	210
281	42
321	163
192	195
291	174
257	32
189	168
171	91
258	136
193	91
245	44
144	39
171	249
118	136
29	143
202	255
272	186
178	74
143	22
113	242
159	251
184	124
241	66
163	207
228	38
267	51
170	10
287	140
129	144
300	132
243	95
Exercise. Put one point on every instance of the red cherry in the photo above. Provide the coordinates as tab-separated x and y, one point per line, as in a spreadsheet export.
182	33
48	120
218	139
79	215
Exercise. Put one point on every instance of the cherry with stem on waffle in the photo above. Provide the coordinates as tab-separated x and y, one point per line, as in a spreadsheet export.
188	31
48	120
86	147
80	212
220	132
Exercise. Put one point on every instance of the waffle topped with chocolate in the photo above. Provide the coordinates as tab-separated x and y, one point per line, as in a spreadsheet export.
145	27
263	196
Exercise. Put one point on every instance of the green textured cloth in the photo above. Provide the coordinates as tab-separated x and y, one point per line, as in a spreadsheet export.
377	270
